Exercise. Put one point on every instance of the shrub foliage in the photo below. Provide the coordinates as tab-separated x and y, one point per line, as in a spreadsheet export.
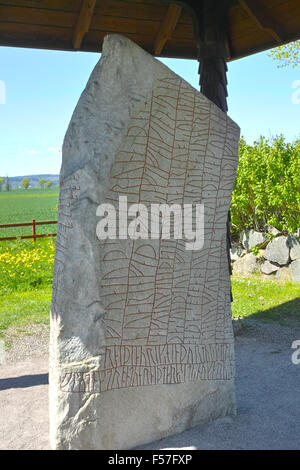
267	187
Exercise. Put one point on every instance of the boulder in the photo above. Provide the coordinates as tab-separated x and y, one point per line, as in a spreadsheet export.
252	239
272	230
295	270
236	252
248	264
283	274
268	268
278	251
294	244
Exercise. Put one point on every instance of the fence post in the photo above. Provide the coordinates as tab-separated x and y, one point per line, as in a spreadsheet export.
33	230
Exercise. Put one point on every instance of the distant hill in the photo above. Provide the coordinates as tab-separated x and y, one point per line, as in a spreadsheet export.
15	181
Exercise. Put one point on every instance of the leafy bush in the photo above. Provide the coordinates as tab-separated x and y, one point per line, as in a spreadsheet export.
267	187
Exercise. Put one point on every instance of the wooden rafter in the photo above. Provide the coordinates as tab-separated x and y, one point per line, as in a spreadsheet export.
167	27
262	17
55	25
83	22
228	47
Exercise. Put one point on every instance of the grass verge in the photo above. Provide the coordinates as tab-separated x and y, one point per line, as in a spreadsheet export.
24	308
266	300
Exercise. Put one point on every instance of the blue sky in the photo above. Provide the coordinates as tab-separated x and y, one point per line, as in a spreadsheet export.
42	89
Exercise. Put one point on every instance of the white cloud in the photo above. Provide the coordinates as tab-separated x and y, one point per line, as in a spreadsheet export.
54	150
46	152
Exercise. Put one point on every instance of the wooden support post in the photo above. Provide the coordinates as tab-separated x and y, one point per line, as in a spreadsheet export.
83	22
33	230
167	27
213	68
210	19
213	51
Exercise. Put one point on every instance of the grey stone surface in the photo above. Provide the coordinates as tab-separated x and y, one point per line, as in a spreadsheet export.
272	230
294	244
295	270
236	252
252	239
141	341
268	268
283	274
278	251
246	265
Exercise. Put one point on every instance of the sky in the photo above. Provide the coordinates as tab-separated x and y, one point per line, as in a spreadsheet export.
39	90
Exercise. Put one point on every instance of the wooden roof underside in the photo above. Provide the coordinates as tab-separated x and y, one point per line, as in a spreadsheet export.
161	29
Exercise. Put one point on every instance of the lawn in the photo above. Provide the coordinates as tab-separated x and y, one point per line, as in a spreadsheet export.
24	308
20	205
266	300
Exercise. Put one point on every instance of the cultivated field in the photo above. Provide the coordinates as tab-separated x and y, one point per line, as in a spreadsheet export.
20	205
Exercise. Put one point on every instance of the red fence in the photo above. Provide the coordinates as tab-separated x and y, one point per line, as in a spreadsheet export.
32	224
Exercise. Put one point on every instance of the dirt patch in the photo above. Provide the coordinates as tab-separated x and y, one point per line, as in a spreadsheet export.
26	342
268	332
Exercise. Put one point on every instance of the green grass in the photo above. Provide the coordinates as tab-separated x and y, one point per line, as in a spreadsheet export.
266	300
24	308
20	205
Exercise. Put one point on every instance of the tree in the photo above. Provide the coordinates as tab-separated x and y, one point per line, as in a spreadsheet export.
7	185
1	182
49	184
288	54
42	183
25	182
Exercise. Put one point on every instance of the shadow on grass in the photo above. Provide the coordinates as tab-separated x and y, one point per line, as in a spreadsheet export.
285	314
25	381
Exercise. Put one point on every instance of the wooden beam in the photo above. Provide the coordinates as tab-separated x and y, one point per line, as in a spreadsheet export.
83	22
262	17
167	27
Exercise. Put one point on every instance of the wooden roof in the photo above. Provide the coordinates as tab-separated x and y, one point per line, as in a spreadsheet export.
161	29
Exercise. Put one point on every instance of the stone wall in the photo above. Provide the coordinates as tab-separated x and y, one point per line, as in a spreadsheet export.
270	254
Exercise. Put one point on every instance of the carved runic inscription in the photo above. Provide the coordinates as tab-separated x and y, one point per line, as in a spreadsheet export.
69	190
167	310
137	366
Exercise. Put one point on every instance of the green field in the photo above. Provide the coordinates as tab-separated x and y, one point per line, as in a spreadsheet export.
20	205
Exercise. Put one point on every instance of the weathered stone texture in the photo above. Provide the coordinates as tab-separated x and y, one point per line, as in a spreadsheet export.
295	270
252	239
294	243
248	264
278	251
268	268
141	331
